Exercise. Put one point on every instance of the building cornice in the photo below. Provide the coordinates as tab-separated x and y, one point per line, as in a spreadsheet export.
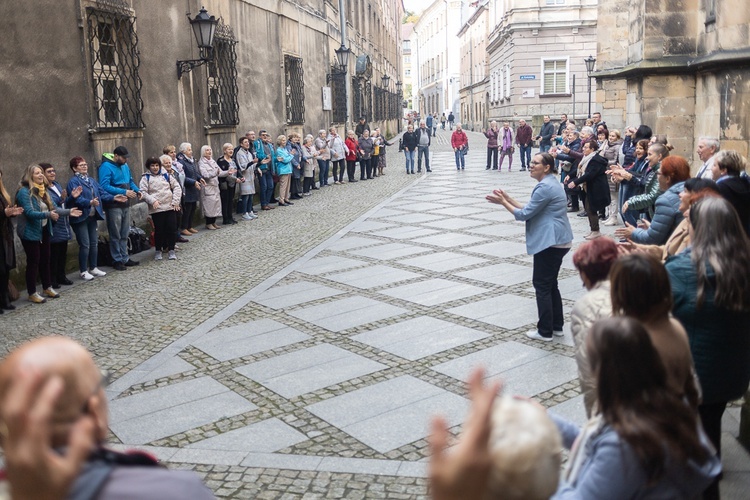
679	64
502	31
474	85
472	19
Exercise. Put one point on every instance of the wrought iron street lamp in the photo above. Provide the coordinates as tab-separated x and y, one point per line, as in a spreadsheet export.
590	62
385	80
399	86
342	55
204	28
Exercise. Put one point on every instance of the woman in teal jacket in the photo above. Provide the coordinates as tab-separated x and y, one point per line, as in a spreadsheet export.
712	301
35	230
283	167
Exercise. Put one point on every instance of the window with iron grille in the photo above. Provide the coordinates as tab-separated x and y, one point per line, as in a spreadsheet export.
367	99
378	93
295	90
338	89
357	97
113	46
223	108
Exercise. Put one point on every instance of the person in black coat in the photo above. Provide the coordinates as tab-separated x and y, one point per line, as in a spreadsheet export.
592	172
409	141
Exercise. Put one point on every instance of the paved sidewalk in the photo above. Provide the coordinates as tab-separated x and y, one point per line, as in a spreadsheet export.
312	368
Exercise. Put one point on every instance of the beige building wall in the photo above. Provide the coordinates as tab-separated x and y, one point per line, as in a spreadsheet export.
474	69
528	33
684	71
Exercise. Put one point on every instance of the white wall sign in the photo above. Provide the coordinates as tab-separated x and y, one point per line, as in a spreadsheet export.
327	99
527	93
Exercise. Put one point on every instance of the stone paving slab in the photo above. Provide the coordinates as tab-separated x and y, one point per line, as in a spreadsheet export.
248	338
330	263
265	436
281	297
434	291
499	249
412	218
500	274
419	337
455	223
448	240
350	242
373	276
173	366
507	311
423	206
497	230
406	232
165	411
347	313
306	370
460	211
389	251
443	261
390	414
372	225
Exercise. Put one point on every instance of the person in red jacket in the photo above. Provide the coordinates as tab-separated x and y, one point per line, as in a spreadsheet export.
524	140
351	156
460	144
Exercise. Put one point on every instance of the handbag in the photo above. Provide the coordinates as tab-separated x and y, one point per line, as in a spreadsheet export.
13	294
376	151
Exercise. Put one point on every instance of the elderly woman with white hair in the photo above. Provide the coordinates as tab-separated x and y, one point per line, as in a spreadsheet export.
193	186
324	157
309	153
210	194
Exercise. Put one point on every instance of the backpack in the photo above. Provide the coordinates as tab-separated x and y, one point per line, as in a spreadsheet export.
104	255
165	175
137	240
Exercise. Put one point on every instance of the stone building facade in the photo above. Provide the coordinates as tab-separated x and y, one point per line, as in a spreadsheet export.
437	57
83	76
681	67
535	48
474	68
407	30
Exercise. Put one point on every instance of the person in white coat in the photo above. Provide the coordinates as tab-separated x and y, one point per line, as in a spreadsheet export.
162	193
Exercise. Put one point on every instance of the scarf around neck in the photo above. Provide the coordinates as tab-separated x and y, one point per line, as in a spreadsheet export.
40	189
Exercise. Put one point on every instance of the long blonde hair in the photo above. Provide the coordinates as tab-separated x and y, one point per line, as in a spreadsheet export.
26	181
3	191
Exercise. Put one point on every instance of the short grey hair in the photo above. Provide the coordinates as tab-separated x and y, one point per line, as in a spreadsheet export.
204	148
184	147
228	145
458	124
711	142
587	131
166	158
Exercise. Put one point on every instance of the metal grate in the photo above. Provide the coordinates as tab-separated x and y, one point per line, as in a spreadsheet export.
338	89
113	45
295	90
367	98
223	107
357	97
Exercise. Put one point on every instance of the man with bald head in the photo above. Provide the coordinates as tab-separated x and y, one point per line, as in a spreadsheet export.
53	423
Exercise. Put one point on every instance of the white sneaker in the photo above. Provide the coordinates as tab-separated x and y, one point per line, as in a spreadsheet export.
557	333
172	255
246	216
97	272
86	276
592	235
253	215
534	334
612	221
157	255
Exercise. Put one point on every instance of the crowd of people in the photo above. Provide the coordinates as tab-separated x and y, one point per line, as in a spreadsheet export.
172	185
671	292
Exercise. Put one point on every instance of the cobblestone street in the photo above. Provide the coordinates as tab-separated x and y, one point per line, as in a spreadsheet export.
301	355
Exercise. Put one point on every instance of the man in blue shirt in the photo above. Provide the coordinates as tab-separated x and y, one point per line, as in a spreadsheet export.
115	178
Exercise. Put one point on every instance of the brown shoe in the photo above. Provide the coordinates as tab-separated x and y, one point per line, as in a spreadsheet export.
186	232
210	227
193	230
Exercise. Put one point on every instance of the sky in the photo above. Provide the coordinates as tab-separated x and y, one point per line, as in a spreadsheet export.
417	6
